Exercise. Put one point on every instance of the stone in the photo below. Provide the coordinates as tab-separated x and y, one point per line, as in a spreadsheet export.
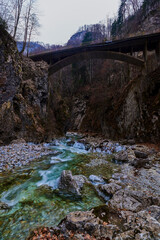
80	180
140	162
70	142
17	141
132	200
154	211
71	184
128	235
110	188
140	154
96	179
77	220
96	162
87	222
121	156
143	235
4	206
131	141
144	220
123	199
45	189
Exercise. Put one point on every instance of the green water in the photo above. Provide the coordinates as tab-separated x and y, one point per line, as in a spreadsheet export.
32	204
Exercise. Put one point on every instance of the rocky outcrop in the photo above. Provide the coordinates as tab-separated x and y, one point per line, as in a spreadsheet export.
110	189
71	184
23	95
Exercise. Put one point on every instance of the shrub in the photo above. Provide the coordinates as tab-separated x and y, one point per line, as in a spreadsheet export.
3	24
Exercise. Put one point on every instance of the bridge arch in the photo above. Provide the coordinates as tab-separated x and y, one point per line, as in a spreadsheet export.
95	55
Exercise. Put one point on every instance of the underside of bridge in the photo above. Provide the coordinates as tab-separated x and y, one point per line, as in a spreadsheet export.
95	55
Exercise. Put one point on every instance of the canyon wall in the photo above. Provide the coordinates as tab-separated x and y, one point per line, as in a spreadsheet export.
110	98
23	94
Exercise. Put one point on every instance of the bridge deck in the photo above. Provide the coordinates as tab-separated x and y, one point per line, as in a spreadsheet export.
133	44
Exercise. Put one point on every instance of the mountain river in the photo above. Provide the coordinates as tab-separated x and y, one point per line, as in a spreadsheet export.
31	191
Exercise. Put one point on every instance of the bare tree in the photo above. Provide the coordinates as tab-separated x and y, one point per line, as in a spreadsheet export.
18	4
6	10
33	27
29	22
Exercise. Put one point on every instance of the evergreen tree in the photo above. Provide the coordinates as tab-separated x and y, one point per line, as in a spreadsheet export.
87	38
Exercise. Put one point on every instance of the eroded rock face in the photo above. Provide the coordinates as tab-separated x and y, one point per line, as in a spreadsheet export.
124	200
10	68
23	95
87	222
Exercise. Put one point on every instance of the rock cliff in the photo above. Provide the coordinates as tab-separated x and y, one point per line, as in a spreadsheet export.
23	94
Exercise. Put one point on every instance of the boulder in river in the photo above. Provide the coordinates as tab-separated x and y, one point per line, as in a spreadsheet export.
96	180
121	156
18	141
140	154
4	206
71	184
141	162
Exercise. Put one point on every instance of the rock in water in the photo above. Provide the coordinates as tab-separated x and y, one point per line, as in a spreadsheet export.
140	154
4	206
121	156
141	162
96	180
71	184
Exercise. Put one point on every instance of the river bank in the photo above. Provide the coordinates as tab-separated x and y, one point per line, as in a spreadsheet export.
133	209
106	190
20	153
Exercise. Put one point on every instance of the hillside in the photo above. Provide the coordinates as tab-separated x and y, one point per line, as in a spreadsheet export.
146	20
32	48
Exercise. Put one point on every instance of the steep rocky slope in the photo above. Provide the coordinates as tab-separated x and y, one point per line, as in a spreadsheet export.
111	99
23	94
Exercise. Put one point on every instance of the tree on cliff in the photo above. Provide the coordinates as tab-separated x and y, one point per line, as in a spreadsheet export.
30	23
20	17
18	4
127	9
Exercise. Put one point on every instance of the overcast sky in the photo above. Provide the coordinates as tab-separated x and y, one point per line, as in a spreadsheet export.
60	19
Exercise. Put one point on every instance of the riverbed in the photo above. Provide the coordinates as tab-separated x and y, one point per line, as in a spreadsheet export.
29	196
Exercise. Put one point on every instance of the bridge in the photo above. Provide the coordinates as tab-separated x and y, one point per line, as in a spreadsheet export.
121	50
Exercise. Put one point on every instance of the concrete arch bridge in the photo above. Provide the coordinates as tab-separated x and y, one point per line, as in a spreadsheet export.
121	50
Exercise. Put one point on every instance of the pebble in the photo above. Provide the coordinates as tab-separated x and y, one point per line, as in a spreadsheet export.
18	155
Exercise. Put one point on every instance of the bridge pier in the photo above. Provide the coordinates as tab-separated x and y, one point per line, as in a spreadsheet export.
158	52
131	52
145	52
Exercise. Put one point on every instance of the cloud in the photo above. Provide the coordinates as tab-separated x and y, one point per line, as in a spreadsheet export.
60	19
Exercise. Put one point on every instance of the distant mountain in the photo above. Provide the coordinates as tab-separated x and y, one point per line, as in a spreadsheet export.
76	39
34	47
87	34
37	47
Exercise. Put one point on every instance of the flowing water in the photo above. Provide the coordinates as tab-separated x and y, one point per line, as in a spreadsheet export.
32	195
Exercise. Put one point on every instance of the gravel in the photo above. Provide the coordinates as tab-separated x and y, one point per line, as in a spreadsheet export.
17	155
